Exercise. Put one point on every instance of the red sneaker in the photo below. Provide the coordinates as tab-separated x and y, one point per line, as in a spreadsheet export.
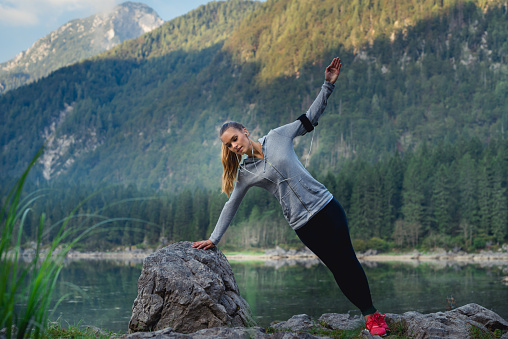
376	324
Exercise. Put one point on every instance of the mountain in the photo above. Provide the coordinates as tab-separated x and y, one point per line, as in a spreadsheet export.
147	111
77	40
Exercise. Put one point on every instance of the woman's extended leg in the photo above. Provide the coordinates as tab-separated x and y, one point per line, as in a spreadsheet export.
327	235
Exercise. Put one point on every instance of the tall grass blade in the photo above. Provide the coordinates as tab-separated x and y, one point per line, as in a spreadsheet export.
26	289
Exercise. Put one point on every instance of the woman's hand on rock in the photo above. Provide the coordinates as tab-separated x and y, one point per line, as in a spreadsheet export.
203	244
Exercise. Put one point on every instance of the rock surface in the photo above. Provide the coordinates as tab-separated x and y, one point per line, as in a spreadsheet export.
451	324
220	333
188	290
454	324
341	321
300	322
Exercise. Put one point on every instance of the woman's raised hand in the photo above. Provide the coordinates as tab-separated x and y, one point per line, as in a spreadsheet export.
203	244
333	70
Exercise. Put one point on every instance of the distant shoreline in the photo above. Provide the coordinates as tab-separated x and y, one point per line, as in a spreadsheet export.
470	258
485	256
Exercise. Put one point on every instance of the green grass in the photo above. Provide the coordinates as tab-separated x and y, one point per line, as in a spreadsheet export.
26	289
476	332
333	333
56	330
398	331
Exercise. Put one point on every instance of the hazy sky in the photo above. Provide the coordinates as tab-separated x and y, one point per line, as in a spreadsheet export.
22	22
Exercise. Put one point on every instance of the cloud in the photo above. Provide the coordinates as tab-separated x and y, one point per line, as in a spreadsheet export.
96	5
10	16
33	12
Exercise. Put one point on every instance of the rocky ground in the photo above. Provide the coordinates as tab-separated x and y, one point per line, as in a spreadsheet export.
468	321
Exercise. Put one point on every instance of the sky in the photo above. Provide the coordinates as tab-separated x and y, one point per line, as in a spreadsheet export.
23	22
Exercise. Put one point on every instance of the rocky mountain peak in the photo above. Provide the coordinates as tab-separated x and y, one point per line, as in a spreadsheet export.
77	40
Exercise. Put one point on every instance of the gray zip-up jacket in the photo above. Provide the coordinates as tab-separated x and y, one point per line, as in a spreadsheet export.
281	173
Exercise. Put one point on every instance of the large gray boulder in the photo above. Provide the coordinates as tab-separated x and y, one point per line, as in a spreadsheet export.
188	290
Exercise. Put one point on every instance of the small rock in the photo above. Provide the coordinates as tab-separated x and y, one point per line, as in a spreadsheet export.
366	335
306	252
95	330
370	252
341	321
3	332
291	251
300	322
276	252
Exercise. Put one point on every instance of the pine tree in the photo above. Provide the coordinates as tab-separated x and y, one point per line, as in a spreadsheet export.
392	174
412	192
499	205
443	201
358	218
467	186
200	209
182	229
485	196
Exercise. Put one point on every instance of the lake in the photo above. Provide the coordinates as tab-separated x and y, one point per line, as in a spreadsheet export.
101	292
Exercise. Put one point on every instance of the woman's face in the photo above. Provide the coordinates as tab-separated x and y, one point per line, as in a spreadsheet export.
236	141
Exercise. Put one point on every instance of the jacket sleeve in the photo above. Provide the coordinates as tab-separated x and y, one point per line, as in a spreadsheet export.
317	108
228	212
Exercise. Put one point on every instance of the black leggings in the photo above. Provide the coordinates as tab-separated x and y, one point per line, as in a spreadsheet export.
327	235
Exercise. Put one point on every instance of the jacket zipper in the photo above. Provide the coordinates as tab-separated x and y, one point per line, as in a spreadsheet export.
290	187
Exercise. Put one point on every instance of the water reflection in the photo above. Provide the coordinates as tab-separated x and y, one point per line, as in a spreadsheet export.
307	262
425	287
98	292
101	292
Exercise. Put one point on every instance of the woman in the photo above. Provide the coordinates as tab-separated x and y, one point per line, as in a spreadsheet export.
318	219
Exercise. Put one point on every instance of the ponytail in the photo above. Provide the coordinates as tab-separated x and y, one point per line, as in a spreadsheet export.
230	164
230	161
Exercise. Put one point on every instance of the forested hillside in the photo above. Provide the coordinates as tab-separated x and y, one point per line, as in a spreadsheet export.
420	79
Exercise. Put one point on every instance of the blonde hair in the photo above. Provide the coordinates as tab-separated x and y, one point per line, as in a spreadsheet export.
230	161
